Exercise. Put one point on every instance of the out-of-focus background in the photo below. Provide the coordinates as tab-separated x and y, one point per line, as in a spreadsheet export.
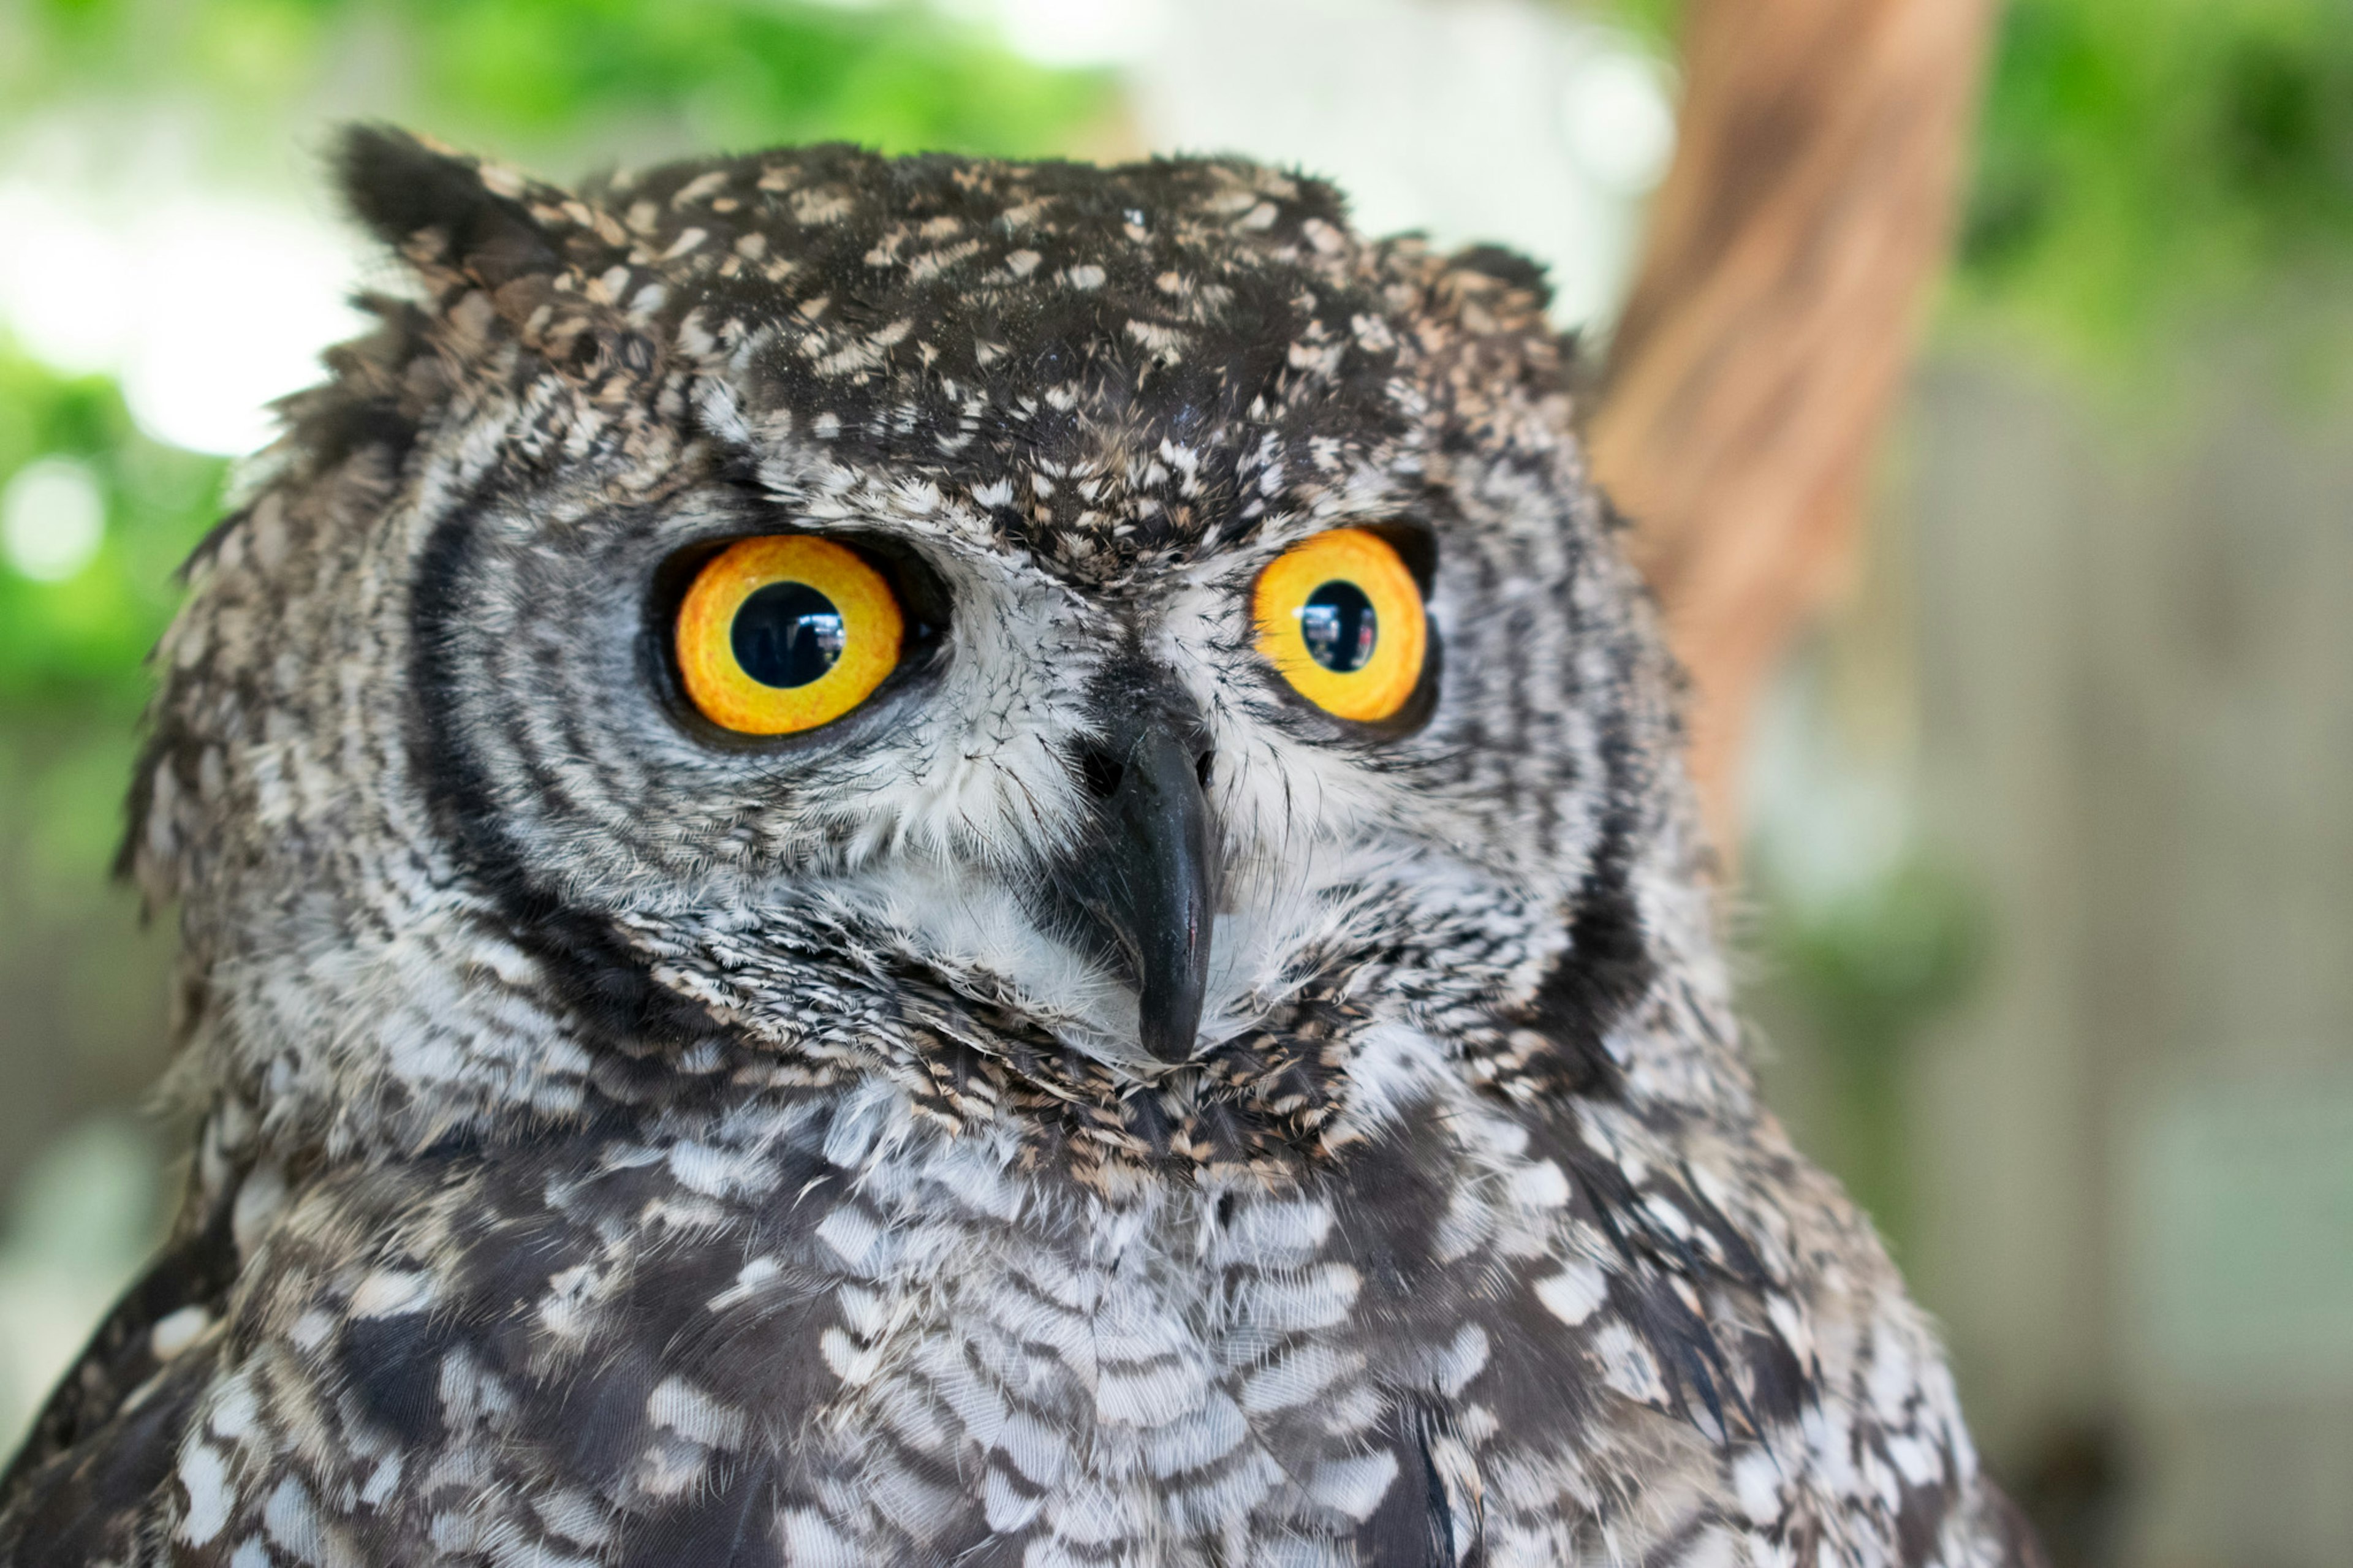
2046	823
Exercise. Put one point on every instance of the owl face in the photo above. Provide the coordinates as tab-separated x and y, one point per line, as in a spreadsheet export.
1097	603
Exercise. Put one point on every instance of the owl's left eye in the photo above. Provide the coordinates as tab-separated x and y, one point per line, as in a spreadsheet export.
785	633
1341	616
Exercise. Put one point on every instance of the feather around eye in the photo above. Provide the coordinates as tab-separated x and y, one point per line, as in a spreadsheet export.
781	634
1342	619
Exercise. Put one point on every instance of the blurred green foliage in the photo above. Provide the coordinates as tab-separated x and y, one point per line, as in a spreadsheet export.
83	987
77	643
1655	21
1869	969
2144	162
2143	165
519	75
1881	958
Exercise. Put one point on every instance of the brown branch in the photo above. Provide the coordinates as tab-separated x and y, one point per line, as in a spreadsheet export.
1808	206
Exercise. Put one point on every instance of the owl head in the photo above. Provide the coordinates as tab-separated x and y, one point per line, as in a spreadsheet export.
1107	648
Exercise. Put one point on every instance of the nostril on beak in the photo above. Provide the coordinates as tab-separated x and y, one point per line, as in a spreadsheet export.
1204	767
1101	772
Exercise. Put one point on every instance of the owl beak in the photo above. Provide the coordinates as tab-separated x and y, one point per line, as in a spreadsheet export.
1144	879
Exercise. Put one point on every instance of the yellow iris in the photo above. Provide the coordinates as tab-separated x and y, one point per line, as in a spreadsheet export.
783	634
1342	619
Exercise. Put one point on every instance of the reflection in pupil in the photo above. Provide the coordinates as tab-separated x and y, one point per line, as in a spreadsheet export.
1339	625
787	634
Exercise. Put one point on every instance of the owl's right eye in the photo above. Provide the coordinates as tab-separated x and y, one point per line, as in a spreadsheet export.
785	633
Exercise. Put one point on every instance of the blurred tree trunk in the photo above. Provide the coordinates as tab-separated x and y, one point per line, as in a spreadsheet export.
1808	207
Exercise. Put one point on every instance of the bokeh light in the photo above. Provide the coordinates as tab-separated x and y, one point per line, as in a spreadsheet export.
52	519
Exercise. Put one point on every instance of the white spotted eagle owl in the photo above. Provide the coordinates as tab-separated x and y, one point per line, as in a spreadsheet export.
922	861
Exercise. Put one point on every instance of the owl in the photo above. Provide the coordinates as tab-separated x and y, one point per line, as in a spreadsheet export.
923	861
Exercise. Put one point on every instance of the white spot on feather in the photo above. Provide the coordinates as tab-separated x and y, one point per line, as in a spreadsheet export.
1573	1294
851	1234
203	1475
391	1293
1353	1486
1539	1186
177	1331
292	1520
1757	1483
259	1200
1628	1365
694	1414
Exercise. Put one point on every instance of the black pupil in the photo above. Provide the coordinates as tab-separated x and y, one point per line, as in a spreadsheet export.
787	634
1339	625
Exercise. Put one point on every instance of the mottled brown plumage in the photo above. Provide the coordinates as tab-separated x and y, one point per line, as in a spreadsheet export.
628	1143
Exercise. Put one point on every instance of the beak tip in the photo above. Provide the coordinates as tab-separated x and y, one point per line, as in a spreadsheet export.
1169	1035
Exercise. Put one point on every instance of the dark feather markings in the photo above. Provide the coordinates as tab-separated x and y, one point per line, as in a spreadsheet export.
1414	1525
392	1366
608	985
1606	970
731	1525
83	1505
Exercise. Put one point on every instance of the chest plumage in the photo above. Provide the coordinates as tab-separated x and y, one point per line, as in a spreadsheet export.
923	861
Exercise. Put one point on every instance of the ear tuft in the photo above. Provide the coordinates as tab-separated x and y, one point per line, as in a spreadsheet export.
438	207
